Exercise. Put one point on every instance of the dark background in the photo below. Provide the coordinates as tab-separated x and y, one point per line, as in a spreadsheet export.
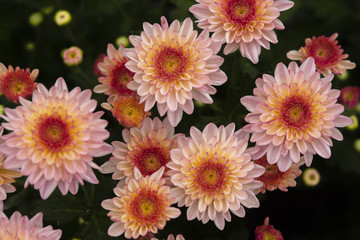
329	211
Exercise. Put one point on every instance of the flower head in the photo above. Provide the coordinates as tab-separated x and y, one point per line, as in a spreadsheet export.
15	83
311	177
141	206
247	25
72	56
127	110
267	232
146	148
293	114
100	59
328	55
7	176
54	138
274	179
213	175
349	96
115	75
21	227
172	237
62	17
173	65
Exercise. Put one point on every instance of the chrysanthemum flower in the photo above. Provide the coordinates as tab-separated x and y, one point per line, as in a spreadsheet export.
54	138
328	55
267	232
127	110
72	56
142	206
115	75
96	69
15	83
349	96
172	237
247	25
274	179
173	65
212	174
147	148
293	114
21	227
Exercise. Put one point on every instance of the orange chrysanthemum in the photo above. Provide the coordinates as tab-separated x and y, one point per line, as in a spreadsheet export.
115	76
15	83
127	110
141	206
328	55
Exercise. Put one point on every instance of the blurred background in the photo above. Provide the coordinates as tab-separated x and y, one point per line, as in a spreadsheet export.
30	38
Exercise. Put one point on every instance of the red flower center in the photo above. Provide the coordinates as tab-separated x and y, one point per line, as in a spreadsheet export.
17	83
210	176
146	206
272	174
295	112
325	51
120	76
170	63
150	160
54	133
240	12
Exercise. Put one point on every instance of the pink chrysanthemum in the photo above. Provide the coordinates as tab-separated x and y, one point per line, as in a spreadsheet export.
274	179
142	206
247	25
173	65
147	148
54	138
349	96
127	110
293	114
72	56
115	75
328	55
21	227
172	237
15	83
212	174
267	232
6	177
100	59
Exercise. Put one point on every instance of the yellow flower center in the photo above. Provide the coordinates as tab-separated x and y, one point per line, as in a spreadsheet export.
149	160
146	206
241	12
210	176
295	112
170	63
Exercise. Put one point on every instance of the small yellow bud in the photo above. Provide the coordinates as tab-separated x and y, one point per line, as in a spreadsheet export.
122	40
344	76
355	123
311	177
30	46
357	144
35	19
62	17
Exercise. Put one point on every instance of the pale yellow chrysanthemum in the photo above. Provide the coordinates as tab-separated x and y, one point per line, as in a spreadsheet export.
212	174
141	206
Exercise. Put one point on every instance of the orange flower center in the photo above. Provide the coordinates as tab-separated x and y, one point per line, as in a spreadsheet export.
170	63
325	51
54	133
146	206
295	112
210	176
240	12
150	160
120	76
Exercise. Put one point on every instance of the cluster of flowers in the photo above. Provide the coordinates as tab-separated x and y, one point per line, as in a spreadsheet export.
293	115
